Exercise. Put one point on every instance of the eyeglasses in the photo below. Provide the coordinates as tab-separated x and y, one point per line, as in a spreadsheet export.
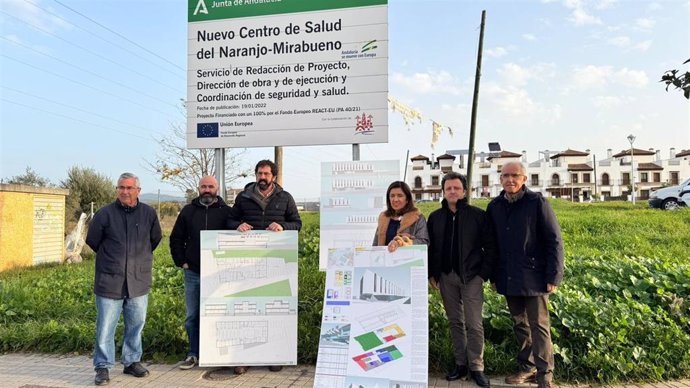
514	176
127	188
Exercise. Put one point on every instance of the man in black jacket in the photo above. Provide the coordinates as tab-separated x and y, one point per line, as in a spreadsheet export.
208	211
123	234
461	252
529	268
264	205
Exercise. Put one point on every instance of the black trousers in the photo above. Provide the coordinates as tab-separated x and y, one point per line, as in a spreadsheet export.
532	328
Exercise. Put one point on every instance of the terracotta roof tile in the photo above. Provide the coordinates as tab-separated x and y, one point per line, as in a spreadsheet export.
504	154
579	167
649	167
569	152
636	152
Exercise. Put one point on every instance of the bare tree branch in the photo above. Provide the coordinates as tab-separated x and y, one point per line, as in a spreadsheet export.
183	168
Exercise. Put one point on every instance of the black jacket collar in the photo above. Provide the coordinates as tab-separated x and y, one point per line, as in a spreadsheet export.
460	205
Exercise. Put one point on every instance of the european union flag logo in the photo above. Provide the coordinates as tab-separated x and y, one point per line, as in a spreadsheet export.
207	130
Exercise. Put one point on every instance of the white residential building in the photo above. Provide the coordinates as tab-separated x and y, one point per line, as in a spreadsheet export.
569	174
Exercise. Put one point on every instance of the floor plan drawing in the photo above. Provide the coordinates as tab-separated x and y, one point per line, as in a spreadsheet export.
248	298
241	333
374	329
378	337
374	359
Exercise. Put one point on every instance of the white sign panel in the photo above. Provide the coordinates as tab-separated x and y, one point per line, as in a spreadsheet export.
248	298
374	329
292	72
353	194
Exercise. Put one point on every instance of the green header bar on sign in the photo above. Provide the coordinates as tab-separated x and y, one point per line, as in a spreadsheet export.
201	10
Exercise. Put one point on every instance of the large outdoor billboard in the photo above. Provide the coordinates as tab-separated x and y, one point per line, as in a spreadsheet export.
290	72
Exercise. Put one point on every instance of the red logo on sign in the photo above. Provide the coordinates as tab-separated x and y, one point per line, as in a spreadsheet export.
364	123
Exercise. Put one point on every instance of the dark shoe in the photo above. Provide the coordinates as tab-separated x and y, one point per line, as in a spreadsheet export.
136	369
458	373
102	376
544	384
480	378
189	363
522	377
240	370
275	368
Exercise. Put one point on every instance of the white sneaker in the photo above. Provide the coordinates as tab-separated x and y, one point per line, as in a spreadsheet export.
189	363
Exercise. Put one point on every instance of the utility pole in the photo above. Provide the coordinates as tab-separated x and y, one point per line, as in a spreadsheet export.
595	176
631	139
407	157
278	156
475	102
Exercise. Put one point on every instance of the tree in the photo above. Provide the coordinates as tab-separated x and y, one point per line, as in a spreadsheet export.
183	167
681	81
30	178
85	185
169	209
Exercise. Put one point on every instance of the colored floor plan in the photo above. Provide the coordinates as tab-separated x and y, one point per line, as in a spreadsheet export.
371	360
378	337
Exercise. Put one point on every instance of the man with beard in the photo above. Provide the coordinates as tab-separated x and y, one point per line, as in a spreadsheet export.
264	205
208	211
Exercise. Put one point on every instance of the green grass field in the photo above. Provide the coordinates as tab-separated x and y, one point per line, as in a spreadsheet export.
621	314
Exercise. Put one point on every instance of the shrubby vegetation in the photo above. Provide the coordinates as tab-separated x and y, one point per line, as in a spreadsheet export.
86	186
29	178
622	313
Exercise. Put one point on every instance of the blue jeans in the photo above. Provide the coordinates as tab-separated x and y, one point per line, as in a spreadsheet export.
191	298
109	310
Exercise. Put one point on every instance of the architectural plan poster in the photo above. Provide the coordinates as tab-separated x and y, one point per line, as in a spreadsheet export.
374	328
352	196
248	298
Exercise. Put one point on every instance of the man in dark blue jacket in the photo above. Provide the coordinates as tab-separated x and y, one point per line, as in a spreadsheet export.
530	267
264	205
123	234
208	211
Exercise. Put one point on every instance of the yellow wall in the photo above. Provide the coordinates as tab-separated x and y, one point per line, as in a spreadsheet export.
32	225
16	229
48	229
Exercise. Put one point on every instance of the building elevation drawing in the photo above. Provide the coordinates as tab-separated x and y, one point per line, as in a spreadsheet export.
352	196
248	298
374	329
